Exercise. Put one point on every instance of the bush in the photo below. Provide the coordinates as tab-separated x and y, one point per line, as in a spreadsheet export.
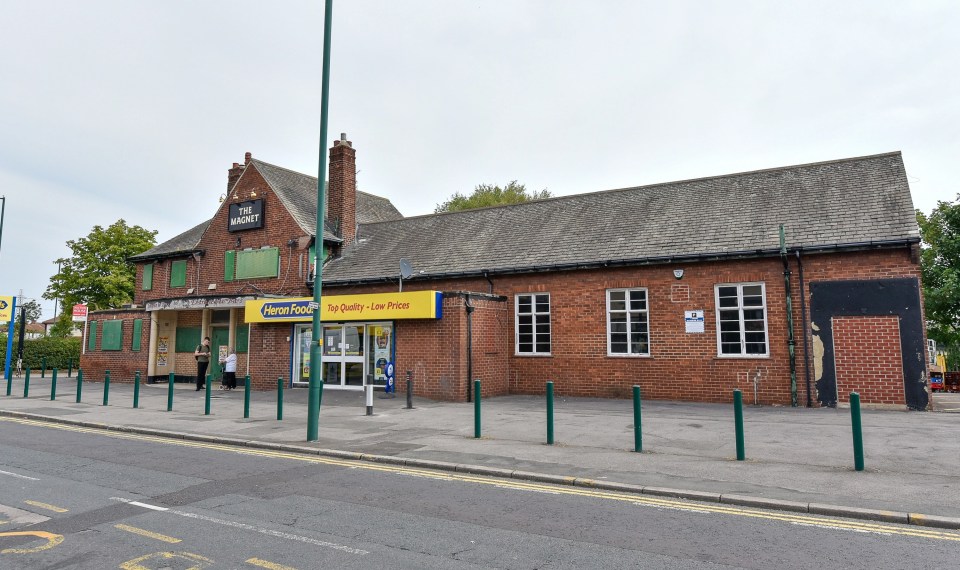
58	352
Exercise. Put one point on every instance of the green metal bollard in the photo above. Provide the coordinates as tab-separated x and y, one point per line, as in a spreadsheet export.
246	397
136	390
738	420
26	383
79	383
857	431
106	387
69	368
43	367
637	431
549	413
53	386
279	398
206	405
476	409
170	393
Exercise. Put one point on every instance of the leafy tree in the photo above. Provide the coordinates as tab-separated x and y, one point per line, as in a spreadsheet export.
940	269
64	325
488	195
33	310
98	272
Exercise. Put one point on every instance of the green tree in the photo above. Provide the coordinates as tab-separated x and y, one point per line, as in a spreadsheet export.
940	269
488	195
98	272
33	312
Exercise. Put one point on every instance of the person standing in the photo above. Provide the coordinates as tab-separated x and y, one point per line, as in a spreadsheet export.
230	369
202	354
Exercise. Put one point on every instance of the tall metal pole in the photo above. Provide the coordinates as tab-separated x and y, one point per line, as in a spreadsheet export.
56	301
3	208
313	407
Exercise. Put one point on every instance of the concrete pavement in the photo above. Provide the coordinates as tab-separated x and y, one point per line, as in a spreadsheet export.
797	459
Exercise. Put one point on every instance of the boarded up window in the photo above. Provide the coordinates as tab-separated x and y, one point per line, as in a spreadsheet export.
187	339
92	339
258	263
242	339
147	277
178	273
112	335
137	333
229	263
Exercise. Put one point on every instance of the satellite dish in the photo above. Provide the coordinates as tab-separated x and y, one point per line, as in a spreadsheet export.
405	269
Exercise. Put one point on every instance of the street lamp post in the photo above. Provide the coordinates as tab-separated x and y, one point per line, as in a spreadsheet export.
313	408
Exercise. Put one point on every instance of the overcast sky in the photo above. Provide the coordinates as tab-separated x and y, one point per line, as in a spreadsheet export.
135	109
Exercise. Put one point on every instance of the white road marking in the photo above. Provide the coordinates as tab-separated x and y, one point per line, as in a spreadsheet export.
268	532
18	476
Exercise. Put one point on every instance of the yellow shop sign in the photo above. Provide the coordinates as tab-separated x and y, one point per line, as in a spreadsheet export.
371	307
6	309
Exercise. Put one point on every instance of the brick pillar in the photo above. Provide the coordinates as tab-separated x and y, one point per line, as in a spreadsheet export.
342	199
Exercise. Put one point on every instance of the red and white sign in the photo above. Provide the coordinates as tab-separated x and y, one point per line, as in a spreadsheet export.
79	312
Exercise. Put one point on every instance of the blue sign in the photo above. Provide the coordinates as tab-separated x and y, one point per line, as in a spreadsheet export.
279	310
391	385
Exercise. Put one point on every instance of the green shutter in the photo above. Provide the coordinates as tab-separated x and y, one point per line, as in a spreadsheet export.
241	339
178	273
147	277
229	262
112	335
187	339
92	339
258	263
137	333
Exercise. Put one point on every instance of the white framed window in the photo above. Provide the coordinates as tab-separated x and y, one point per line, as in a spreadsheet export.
533	323
628	325
742	319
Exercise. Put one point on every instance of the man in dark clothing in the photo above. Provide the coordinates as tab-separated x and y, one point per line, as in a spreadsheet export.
202	354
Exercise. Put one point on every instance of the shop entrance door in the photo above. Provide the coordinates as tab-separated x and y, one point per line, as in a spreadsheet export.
219	341
343	355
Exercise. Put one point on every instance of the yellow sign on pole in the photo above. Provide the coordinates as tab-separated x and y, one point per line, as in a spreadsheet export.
6	309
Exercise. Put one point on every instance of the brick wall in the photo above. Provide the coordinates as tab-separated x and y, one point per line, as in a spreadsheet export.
868	359
122	364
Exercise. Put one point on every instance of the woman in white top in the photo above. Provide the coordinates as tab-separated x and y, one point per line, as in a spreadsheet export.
230	370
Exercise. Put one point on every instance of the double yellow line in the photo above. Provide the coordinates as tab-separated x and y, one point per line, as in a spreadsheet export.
642	500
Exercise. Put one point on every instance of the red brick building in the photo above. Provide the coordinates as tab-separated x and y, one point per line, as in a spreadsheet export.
683	288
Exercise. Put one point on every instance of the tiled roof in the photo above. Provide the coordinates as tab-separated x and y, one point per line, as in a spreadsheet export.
179	245
822	205
298	192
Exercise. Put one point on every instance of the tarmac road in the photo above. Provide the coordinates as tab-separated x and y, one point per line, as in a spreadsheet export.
95	499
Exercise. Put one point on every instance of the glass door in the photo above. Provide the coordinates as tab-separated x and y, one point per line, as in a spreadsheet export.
332	355
353	355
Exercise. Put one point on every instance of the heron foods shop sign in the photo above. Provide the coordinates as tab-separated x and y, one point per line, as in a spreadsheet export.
335	308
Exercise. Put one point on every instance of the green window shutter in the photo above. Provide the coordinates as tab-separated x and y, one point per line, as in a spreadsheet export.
92	339
147	277
112	336
242	339
137	333
229	262
258	263
178	273
187	339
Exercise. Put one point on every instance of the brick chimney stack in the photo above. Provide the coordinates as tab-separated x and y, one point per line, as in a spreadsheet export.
342	199
236	171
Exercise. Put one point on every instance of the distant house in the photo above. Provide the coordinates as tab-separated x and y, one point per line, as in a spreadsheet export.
49	324
34	331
